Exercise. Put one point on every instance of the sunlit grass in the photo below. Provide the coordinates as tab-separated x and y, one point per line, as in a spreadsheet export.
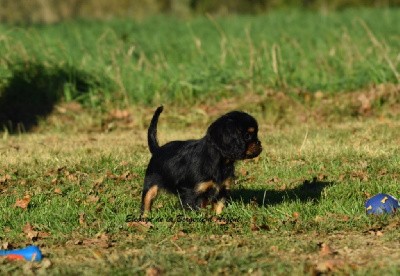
163	59
309	185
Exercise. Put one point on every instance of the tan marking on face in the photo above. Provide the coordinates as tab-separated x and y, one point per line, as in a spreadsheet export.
205	186
219	206
148	199
252	149
251	129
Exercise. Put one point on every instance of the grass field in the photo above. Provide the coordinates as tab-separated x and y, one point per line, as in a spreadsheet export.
169	60
297	209
324	89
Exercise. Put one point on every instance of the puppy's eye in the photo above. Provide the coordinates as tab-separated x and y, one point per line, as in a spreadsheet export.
247	136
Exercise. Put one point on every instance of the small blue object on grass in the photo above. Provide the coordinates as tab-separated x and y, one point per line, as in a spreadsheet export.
381	203
30	253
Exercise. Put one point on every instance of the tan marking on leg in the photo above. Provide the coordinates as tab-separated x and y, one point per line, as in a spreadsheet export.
148	199
205	186
228	183
219	206
251	129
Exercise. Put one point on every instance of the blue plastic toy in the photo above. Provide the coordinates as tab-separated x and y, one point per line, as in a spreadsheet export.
30	253
381	203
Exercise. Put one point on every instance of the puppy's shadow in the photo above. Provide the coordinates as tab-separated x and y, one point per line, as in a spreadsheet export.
307	191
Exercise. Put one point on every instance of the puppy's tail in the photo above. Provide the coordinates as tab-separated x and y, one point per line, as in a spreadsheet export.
152	132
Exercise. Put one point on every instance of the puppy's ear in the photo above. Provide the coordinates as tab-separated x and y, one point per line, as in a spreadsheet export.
225	135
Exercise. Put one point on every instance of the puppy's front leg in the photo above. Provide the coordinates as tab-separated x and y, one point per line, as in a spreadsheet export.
219	203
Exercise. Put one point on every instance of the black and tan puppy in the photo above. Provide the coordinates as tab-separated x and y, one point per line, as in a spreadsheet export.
200	171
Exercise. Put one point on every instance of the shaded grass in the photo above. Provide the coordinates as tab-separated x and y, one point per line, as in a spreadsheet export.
34	89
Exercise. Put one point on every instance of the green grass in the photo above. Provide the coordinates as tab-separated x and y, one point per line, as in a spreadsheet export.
303	191
163	59
82	167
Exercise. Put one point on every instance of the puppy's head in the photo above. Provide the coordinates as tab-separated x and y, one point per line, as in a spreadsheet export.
235	136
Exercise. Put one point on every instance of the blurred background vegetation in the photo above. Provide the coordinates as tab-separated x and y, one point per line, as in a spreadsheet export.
51	11
149	52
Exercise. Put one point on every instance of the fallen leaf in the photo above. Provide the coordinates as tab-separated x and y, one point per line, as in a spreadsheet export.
73	107
198	260
5	246
362	175
318	95
101	240
82	218
128	176
153	271
383	172
124	163
377	233
23	203
142	226
102	236
322	177
72	177
365	106
274	180
180	234
58	191
5	178
42	235
30	233
218	221
243	172
319	219
326	250
77	242
324	267
120	114
363	164
255	227
274	248
92	198
98	182
367	195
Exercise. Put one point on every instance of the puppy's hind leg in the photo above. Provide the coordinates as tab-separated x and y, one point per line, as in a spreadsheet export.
148	196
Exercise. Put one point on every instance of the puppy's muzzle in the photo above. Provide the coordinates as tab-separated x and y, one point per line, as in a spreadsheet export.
253	149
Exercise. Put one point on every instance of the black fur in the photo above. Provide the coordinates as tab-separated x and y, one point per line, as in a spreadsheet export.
182	167
152	133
